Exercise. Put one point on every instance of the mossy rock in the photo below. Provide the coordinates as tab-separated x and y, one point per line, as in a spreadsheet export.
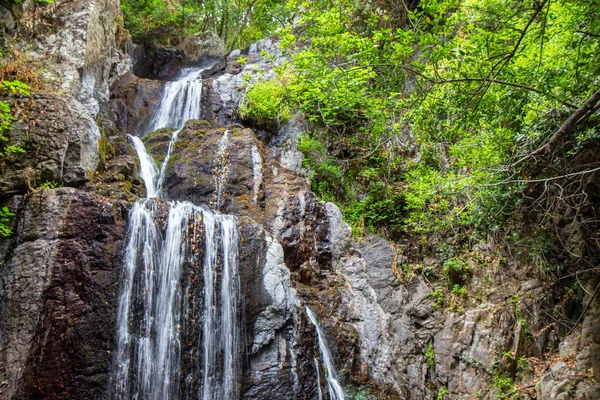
157	143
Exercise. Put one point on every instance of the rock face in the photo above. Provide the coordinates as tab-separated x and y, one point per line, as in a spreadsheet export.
58	290
226	91
78	52
273	319
60	141
133	102
215	167
158	63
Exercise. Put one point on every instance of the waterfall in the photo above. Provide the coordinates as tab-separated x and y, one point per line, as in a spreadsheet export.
335	389
153	309
225	343
222	169
148	170
180	101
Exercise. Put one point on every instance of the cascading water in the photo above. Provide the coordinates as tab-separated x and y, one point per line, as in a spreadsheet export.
180	101
154	313
319	392
335	389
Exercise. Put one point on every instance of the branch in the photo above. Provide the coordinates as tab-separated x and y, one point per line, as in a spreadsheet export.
500	82
589	171
588	108
581	114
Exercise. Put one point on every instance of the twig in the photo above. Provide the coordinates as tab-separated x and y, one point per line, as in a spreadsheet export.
584	310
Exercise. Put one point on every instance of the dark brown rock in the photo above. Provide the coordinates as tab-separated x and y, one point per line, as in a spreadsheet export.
58	296
133	102
197	167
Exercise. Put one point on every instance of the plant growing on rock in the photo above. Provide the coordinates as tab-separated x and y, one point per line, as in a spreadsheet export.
14	87
5	218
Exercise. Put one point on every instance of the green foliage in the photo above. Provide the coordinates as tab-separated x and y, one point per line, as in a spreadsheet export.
238	23
515	303
477	84
439	299
324	172
456	271
14	87
430	354
265	103
49	185
459	291
5	218
506	386
441	393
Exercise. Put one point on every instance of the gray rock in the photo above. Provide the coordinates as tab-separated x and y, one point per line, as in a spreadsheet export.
60	141
205	44
78	55
7	22
340	233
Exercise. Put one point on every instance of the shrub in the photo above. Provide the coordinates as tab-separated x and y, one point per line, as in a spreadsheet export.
265	103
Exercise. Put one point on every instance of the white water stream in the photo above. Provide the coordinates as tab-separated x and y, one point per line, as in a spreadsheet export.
335	389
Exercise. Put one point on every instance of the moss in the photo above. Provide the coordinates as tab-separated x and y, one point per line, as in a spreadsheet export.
162	135
106	149
157	143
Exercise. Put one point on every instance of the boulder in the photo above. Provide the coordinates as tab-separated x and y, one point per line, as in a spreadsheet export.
7	21
60	141
201	45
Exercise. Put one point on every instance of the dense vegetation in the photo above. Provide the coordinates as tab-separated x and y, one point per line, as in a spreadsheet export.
238	23
448	116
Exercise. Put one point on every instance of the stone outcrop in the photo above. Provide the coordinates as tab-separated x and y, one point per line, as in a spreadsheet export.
60	140
77	53
226	91
204	45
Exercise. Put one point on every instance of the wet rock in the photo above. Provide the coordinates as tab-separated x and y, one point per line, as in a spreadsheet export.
302	228
60	141
159	63
58	290
133	102
157	143
214	167
278	366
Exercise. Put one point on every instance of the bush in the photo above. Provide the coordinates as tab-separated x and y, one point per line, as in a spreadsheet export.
266	103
